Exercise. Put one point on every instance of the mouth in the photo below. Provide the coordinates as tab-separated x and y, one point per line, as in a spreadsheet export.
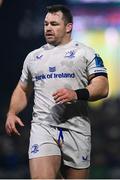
49	35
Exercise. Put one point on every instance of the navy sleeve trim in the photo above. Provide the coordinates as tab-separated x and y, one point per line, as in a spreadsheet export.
98	74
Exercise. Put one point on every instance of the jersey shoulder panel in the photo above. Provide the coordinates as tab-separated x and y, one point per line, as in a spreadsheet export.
35	54
87	52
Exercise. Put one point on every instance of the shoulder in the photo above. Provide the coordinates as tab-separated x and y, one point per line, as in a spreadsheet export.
83	46
86	51
36	53
38	50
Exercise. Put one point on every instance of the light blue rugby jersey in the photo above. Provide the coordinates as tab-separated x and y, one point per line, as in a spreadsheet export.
51	68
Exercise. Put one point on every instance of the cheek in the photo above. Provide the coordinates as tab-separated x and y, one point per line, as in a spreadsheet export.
44	29
60	32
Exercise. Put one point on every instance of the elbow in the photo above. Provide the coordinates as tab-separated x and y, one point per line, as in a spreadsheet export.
105	93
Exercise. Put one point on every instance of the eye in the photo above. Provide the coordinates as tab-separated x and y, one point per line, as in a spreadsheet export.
54	23
45	24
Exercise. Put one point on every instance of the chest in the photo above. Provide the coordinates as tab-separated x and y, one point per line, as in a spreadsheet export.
59	61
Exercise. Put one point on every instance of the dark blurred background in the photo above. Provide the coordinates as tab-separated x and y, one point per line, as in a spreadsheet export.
97	24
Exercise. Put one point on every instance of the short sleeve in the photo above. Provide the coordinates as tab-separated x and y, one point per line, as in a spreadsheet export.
26	75
95	64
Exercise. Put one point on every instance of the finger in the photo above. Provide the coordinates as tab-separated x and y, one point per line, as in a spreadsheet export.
20	122
58	95
8	132
14	130
58	92
8	128
54	94
61	99
64	101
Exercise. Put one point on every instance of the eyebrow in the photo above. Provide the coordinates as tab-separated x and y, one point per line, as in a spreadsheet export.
51	22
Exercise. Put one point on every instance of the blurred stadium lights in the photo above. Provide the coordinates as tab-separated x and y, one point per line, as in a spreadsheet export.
98	25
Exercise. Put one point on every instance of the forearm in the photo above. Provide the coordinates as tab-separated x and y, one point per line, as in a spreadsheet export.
97	89
18	101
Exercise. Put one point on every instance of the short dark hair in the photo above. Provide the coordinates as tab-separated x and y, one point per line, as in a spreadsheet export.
68	18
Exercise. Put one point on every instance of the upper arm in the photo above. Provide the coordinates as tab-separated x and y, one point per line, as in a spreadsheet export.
98	88
25	83
26	88
100	81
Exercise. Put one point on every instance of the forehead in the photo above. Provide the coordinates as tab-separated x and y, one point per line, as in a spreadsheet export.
55	16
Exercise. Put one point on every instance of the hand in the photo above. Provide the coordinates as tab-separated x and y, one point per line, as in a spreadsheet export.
11	122
64	95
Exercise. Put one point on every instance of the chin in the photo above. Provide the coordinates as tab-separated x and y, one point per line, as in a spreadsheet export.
51	42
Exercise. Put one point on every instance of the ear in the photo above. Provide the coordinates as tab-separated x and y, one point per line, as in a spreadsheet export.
69	27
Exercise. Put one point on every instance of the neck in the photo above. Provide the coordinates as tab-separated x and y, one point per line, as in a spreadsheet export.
65	40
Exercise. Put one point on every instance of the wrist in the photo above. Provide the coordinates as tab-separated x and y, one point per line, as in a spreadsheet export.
82	94
11	113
